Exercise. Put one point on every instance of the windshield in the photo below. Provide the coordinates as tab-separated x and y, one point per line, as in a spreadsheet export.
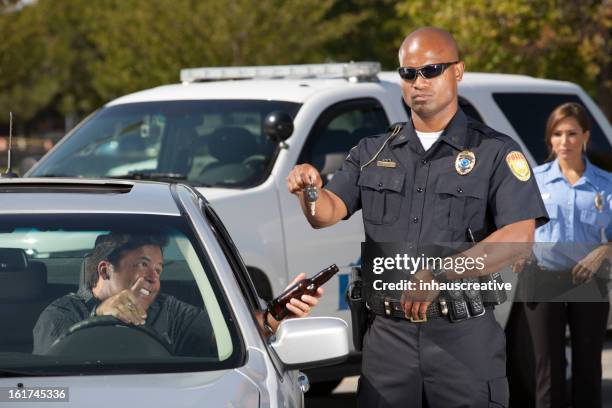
109	294
205	143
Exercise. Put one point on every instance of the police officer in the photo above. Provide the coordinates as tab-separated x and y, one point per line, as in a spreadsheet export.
578	198
435	178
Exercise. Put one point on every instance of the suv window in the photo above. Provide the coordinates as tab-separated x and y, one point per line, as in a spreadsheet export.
338	129
217	143
528	112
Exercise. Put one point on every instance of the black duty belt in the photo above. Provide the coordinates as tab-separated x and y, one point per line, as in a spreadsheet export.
389	307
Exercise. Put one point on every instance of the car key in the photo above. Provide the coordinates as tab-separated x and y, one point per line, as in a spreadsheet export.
312	194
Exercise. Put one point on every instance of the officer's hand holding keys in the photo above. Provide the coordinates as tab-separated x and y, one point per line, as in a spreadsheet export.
305	179
301	176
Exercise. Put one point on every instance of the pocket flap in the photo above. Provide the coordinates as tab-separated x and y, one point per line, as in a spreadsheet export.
389	180
461	187
499	392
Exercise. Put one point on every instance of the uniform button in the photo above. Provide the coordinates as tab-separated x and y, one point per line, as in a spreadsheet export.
380	184
423	162
459	190
415	219
420	190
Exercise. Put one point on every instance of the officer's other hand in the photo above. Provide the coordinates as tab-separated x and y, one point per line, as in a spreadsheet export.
123	306
301	176
303	306
415	302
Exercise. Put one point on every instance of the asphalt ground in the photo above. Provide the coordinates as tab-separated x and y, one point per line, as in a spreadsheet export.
344	395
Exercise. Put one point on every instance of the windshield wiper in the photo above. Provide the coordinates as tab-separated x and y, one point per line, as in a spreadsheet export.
4	373
152	176
59	175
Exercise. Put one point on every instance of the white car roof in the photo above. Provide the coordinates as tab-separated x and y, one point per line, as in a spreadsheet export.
299	90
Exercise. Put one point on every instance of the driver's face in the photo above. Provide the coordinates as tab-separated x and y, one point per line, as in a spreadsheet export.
146	261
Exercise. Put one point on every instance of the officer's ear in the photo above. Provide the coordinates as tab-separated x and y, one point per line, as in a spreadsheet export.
459	68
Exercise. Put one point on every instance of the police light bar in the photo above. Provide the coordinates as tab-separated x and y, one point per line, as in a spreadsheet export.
340	70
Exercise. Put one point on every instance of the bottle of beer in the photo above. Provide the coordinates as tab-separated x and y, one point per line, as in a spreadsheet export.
278	306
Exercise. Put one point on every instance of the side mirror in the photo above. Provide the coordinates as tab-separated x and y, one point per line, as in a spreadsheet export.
311	342
278	126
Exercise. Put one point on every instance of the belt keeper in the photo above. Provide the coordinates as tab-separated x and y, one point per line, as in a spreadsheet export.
387	306
443	307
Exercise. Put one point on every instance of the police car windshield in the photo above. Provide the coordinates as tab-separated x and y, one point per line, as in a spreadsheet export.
219	143
55	276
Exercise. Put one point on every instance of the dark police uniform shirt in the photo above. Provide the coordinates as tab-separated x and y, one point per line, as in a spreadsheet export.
185	327
423	199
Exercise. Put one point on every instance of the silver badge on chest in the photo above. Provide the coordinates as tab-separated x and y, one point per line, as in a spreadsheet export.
464	163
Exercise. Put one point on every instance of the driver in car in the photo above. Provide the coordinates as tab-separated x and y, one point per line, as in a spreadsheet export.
122	280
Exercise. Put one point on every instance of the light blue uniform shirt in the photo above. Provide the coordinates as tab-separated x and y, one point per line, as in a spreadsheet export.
574	217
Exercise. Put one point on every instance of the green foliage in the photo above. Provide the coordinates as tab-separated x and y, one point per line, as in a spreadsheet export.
75	55
568	40
71	56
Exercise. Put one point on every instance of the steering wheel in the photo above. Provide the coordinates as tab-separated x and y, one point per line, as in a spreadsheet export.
107	337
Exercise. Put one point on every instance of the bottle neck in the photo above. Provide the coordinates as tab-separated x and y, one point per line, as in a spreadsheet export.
325	275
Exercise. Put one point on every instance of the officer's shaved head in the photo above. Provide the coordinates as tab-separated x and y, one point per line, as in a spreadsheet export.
430	43
432	96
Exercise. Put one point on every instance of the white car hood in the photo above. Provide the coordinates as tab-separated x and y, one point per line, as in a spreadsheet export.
228	388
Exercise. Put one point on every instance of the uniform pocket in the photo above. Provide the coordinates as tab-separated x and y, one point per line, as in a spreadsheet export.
594	222
595	218
458	200
381	195
499	394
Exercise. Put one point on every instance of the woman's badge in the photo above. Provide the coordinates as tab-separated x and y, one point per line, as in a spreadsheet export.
599	202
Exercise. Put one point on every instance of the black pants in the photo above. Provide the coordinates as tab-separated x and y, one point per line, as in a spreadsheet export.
434	364
587	322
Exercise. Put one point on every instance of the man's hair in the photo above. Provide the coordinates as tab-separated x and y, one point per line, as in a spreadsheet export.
111	247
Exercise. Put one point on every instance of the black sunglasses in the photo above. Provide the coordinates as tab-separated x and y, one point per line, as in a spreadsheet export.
427	72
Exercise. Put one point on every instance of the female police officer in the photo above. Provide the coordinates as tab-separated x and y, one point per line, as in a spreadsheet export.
578	198
470	177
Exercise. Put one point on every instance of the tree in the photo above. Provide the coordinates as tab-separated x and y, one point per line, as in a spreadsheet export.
551	39
74	55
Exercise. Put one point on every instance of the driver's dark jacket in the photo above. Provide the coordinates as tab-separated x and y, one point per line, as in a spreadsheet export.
185	327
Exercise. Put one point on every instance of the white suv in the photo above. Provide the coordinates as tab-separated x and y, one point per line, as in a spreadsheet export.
209	131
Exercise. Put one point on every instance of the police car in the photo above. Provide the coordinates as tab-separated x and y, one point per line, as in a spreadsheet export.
48	228
235	133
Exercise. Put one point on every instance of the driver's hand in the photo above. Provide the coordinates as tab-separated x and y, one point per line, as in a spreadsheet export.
303	306
130	305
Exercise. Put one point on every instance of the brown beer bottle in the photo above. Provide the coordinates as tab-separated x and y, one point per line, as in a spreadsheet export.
277	307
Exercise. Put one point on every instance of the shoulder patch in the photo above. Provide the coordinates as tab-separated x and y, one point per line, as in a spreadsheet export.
518	165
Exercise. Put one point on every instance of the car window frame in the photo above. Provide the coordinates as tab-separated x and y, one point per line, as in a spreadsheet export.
245	282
